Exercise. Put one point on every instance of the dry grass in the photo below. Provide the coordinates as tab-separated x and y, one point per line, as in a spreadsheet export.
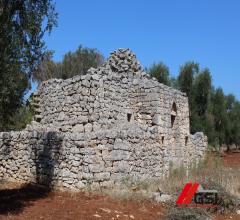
211	169
129	189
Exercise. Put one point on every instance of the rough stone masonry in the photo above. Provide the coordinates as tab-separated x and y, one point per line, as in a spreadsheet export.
99	128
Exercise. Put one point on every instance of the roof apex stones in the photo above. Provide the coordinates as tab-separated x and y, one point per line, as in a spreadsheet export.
123	60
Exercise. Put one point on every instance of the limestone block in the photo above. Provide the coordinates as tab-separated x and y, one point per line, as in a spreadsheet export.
161	198
96	168
96	126
107	184
86	83
102	176
116	155
78	128
121	145
88	127
76	163
82	119
156	119
95	77
121	166
80	185
87	176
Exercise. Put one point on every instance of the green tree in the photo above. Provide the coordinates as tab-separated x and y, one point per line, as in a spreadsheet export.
220	115
174	82
232	128
22	117
185	84
73	63
201	90
186	77
235	120
161	72
23	24
78	62
47	68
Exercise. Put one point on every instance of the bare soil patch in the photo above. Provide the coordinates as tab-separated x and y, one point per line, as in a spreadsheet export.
232	158
31	202
227	217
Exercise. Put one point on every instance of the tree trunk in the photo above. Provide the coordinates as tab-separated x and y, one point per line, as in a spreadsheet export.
228	148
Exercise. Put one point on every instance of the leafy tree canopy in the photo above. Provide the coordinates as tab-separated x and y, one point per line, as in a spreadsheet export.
23	24
73	63
161	72
186	76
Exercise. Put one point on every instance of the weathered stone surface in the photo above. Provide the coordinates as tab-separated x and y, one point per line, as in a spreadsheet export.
78	128
156	119
102	176
161	198
88	127
98	128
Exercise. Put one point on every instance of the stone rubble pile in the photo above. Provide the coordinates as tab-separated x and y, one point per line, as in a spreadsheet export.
123	60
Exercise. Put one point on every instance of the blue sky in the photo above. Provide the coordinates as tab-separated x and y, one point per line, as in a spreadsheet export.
172	31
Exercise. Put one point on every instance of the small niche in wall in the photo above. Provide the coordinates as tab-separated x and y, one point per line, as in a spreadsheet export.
173	117
162	139
129	117
38	119
186	140
173	114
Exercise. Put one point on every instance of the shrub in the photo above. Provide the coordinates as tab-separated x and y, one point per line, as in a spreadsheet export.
227	202
178	213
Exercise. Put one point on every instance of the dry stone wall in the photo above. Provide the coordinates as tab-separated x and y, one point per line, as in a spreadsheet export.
99	128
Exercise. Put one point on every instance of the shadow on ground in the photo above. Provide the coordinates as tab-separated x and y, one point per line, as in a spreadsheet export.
13	201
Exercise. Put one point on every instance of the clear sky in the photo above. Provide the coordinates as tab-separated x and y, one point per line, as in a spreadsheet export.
172	31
